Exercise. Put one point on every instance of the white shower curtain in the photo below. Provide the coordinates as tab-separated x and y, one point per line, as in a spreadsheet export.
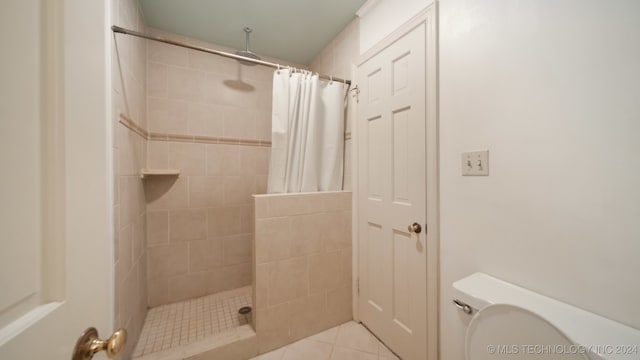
307	134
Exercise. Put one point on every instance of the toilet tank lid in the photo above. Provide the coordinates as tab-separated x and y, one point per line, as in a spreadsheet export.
609	339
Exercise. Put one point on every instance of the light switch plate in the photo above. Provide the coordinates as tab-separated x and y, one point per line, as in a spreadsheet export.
475	163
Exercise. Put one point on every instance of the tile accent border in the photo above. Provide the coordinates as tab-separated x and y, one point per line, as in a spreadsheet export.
131	125
207	139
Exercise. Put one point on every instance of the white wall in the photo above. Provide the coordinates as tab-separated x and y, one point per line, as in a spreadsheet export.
379	18
552	89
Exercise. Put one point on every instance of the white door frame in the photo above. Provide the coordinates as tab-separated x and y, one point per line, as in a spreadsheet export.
429	17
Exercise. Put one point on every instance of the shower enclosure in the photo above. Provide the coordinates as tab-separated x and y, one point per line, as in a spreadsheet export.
198	128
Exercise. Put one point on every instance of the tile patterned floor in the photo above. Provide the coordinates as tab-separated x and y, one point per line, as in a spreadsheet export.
349	341
180	324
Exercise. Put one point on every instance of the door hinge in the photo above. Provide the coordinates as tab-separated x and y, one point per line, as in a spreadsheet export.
358	286
355	93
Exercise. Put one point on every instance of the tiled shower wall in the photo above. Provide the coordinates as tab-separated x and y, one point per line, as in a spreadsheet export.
336	59
302	281
129	155
210	117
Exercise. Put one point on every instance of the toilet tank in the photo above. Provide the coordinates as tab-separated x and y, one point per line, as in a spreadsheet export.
608	339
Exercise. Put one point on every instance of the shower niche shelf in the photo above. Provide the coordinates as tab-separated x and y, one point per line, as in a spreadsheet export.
145	173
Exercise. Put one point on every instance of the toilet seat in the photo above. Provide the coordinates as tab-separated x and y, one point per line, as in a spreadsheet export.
503	331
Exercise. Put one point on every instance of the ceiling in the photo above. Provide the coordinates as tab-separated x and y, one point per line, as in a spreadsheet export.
292	30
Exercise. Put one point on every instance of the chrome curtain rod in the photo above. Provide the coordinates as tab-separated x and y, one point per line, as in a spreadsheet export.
120	30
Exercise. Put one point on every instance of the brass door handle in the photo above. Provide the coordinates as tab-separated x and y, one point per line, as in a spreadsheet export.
88	344
415	228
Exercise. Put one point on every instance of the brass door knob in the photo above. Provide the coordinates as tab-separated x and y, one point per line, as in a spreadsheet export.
88	344
415	228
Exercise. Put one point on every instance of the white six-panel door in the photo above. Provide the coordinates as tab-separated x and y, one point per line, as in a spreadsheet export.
56	247
392	193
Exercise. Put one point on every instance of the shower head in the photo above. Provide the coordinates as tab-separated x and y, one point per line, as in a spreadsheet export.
246	52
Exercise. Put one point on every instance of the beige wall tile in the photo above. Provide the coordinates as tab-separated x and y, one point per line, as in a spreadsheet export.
262	160
167	54
230	158
166	193
167	261
346	266
240	123
205	119
272	239
188	157
297	204
139	240
237	350
307	233
287	280
308	316
237	249
325	272
337	235
127	205
187	287
138	195
261	207
142	268
129	295
223	160
227	221
126	153
339	306
125	250
261	184
140	154
235	276
261	286
257	74
238	94
205	255
167	116
215	281
250	160
158	156
214	91
263	124
206	191
205	62
337	201
185	84
245	212
187	224
157	80
238	190
272	327
158	292
134	95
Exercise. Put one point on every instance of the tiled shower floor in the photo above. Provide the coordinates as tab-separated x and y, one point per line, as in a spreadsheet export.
178	325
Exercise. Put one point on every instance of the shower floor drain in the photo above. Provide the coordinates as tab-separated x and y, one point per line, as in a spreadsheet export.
244	310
